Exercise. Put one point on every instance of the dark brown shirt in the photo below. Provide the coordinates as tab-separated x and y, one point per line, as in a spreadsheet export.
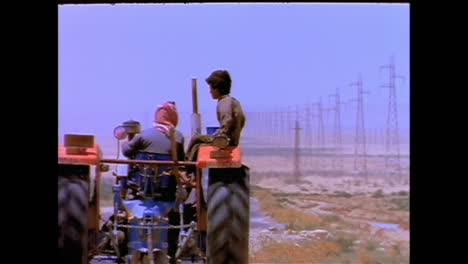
231	118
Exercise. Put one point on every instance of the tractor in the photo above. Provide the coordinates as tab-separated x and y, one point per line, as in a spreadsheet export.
205	201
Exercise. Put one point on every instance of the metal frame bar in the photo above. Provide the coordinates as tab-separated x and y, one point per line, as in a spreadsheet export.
150	162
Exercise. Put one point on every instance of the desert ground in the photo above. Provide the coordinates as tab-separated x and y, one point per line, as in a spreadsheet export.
331	220
332	212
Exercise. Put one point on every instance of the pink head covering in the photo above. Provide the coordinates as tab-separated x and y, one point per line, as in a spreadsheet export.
166	114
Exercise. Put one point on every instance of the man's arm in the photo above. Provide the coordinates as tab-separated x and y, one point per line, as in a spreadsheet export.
131	148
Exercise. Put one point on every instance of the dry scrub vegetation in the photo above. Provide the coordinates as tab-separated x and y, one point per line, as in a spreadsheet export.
346	244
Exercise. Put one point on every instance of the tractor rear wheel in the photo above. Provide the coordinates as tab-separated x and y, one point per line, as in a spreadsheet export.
228	216
73	189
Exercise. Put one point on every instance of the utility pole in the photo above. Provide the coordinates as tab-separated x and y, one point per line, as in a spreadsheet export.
289	125
320	127
328	140
270	128
320	134
309	132
282	127
360	151
275	127
196	117
263	129
308	137
297	154
392	139
337	163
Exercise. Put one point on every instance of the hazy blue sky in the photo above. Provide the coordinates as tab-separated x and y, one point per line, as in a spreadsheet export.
119	61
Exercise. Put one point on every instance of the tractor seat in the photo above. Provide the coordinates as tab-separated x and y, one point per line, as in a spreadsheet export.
162	188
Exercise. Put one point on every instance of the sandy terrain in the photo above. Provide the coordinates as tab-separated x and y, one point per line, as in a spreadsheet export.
374	213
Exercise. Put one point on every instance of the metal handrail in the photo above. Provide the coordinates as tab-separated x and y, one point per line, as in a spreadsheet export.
156	226
150	162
